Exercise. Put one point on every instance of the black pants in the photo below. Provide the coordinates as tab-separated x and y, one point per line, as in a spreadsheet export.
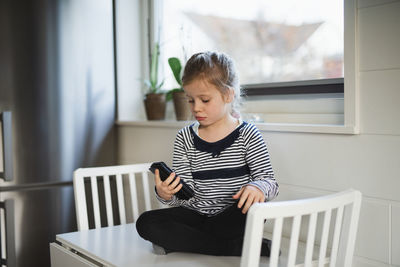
185	230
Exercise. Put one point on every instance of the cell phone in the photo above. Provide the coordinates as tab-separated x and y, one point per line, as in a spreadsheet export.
185	192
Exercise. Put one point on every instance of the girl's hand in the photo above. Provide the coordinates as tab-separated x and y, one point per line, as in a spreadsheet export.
167	189
248	195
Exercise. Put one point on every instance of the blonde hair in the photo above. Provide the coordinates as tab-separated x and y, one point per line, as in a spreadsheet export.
218	69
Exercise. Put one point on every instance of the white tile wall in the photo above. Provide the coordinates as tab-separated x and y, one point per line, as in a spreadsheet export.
145	144
373	231
379	37
380	101
396	234
370	163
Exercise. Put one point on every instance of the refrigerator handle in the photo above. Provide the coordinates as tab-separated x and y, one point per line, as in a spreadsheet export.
7	236
5	119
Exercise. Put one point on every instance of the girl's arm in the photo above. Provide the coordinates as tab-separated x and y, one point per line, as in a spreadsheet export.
181	167
257	158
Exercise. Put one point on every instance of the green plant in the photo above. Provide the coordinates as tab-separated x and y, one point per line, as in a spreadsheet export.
152	84
176	67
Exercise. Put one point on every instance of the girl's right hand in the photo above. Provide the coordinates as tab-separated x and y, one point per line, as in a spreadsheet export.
166	189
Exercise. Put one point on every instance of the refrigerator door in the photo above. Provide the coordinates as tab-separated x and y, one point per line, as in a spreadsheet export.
38	215
57	79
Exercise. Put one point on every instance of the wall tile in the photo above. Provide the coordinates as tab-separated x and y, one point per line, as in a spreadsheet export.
396	235
380	102
145	144
379	36
373	231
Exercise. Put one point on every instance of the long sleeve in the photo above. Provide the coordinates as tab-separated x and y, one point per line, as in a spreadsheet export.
258	160
181	167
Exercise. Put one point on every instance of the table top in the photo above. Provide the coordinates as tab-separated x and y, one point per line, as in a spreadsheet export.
122	246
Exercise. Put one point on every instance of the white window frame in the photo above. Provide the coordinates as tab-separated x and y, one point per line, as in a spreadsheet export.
351	92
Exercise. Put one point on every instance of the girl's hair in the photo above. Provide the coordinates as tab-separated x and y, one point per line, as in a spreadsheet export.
218	69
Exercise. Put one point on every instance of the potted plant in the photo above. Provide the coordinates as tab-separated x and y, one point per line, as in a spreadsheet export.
155	99
181	105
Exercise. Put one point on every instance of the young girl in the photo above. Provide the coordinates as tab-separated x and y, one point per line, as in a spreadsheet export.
222	158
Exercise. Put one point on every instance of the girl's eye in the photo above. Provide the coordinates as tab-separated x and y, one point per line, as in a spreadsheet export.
205	101
191	101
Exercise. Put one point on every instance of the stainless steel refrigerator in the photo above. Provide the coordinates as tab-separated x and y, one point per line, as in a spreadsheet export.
57	104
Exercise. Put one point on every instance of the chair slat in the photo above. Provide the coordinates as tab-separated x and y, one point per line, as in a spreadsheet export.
324	238
336	235
310	239
95	199
107	195
134	204
146	190
276	242
80	197
251	249
121	199
294	239
353	223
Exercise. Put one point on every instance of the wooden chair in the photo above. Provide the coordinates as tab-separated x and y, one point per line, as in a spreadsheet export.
105	184
342	208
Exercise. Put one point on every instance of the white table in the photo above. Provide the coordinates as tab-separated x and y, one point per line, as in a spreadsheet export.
122	246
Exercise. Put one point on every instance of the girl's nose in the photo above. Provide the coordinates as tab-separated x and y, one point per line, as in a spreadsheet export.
196	106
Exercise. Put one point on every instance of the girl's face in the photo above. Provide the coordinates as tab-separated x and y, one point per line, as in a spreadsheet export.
207	103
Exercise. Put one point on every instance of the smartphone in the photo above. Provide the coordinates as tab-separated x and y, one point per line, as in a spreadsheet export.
185	193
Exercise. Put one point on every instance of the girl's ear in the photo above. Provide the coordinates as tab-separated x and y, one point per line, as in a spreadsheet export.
230	95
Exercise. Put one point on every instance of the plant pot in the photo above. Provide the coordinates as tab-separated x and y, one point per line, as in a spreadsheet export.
181	106
155	106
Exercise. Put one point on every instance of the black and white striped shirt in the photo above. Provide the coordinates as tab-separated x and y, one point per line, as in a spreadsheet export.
217	171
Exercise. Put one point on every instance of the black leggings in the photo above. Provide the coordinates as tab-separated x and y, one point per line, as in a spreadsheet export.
185	230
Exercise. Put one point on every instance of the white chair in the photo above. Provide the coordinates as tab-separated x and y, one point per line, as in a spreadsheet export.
340	235
124	180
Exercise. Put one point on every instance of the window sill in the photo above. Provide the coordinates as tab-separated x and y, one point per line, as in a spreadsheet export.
264	127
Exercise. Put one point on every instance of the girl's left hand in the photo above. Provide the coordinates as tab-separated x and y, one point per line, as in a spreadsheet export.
248	195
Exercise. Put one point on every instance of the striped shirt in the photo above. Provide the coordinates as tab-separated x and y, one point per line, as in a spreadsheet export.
217	171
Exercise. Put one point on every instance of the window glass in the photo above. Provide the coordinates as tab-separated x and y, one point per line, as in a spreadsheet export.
271	41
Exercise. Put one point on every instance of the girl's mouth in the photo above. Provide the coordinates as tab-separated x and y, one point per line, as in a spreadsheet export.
200	118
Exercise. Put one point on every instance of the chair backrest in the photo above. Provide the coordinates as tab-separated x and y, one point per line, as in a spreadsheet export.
116	180
345	206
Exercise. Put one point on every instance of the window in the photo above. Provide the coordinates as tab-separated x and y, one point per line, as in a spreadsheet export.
271	41
285	51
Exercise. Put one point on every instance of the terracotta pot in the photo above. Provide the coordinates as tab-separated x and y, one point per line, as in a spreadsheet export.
181	105
155	106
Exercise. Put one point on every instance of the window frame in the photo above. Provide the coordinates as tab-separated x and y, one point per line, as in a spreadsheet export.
322	86
347	85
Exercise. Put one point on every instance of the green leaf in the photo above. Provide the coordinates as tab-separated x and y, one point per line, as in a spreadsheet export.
176	68
158	87
154	66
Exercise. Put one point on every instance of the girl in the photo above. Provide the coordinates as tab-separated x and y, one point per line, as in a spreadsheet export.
222	158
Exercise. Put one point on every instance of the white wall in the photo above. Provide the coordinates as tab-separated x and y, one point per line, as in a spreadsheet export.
314	164
129	58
